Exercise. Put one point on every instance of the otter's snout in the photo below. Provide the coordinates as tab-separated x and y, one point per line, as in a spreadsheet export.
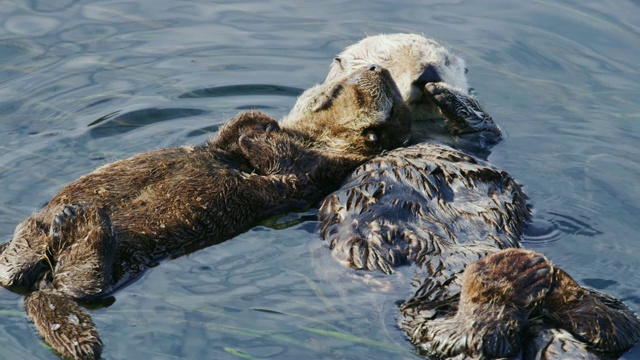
429	75
366	73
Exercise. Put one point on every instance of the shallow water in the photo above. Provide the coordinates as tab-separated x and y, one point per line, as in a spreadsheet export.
86	82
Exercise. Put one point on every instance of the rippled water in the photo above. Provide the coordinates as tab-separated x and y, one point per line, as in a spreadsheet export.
86	82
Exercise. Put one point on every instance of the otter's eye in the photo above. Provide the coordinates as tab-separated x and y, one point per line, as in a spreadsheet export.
466	70
370	136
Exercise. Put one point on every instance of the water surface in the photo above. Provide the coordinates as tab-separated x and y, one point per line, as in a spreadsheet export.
87	82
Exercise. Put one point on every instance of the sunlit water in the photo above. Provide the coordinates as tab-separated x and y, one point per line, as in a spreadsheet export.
86	82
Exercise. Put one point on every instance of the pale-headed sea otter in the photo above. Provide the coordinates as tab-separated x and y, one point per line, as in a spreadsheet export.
415	61
445	210
105	228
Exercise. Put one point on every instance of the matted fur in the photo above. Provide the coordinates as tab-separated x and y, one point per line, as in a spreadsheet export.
445	210
105	228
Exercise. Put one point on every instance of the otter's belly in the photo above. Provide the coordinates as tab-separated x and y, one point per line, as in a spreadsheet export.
421	201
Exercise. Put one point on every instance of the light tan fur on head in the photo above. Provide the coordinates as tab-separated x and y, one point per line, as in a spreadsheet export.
361	112
431	81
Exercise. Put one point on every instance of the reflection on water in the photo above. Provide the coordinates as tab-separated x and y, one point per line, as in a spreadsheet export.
242	90
556	227
85	82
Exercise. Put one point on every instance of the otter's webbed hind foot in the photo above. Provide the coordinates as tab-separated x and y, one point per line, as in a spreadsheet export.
84	245
600	320
464	117
63	324
498	293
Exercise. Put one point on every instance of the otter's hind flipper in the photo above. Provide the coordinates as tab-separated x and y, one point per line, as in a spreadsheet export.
498	293
63	324
85	245
598	319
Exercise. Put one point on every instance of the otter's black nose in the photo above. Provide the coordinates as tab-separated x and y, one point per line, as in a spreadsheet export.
374	67
430	74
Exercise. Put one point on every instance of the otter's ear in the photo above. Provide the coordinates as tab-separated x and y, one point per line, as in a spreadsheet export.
327	98
338	61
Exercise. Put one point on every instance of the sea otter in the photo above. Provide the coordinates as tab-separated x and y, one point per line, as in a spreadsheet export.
445	210
414	61
105	228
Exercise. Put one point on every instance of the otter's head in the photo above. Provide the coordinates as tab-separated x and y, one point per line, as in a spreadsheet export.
413	61
361	113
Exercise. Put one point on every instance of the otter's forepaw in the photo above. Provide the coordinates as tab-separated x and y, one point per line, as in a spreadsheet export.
277	153
464	116
514	277
246	123
63	222
261	152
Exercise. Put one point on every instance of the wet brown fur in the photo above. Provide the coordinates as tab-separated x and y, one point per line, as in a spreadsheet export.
415	61
105	228
445	211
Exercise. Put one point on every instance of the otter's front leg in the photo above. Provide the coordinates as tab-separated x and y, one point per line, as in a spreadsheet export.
83	251
279	152
497	296
464	117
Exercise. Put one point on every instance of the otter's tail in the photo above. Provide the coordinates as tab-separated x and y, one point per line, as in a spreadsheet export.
63	324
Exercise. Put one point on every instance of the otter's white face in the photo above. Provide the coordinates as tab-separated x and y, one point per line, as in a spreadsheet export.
431	81
412	60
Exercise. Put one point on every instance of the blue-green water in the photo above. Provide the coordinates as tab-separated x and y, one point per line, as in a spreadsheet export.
86	82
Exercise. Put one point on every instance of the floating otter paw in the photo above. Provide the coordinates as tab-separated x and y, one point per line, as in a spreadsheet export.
463	115
63	223
247	123
83	260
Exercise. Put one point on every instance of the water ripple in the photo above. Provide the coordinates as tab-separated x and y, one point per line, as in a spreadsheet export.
556	226
115	123
242	90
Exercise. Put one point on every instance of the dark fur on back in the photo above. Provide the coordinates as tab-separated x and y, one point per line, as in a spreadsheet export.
459	221
105	228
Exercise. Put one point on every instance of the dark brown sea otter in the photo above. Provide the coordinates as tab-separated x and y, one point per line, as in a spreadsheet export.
446	211
102	230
